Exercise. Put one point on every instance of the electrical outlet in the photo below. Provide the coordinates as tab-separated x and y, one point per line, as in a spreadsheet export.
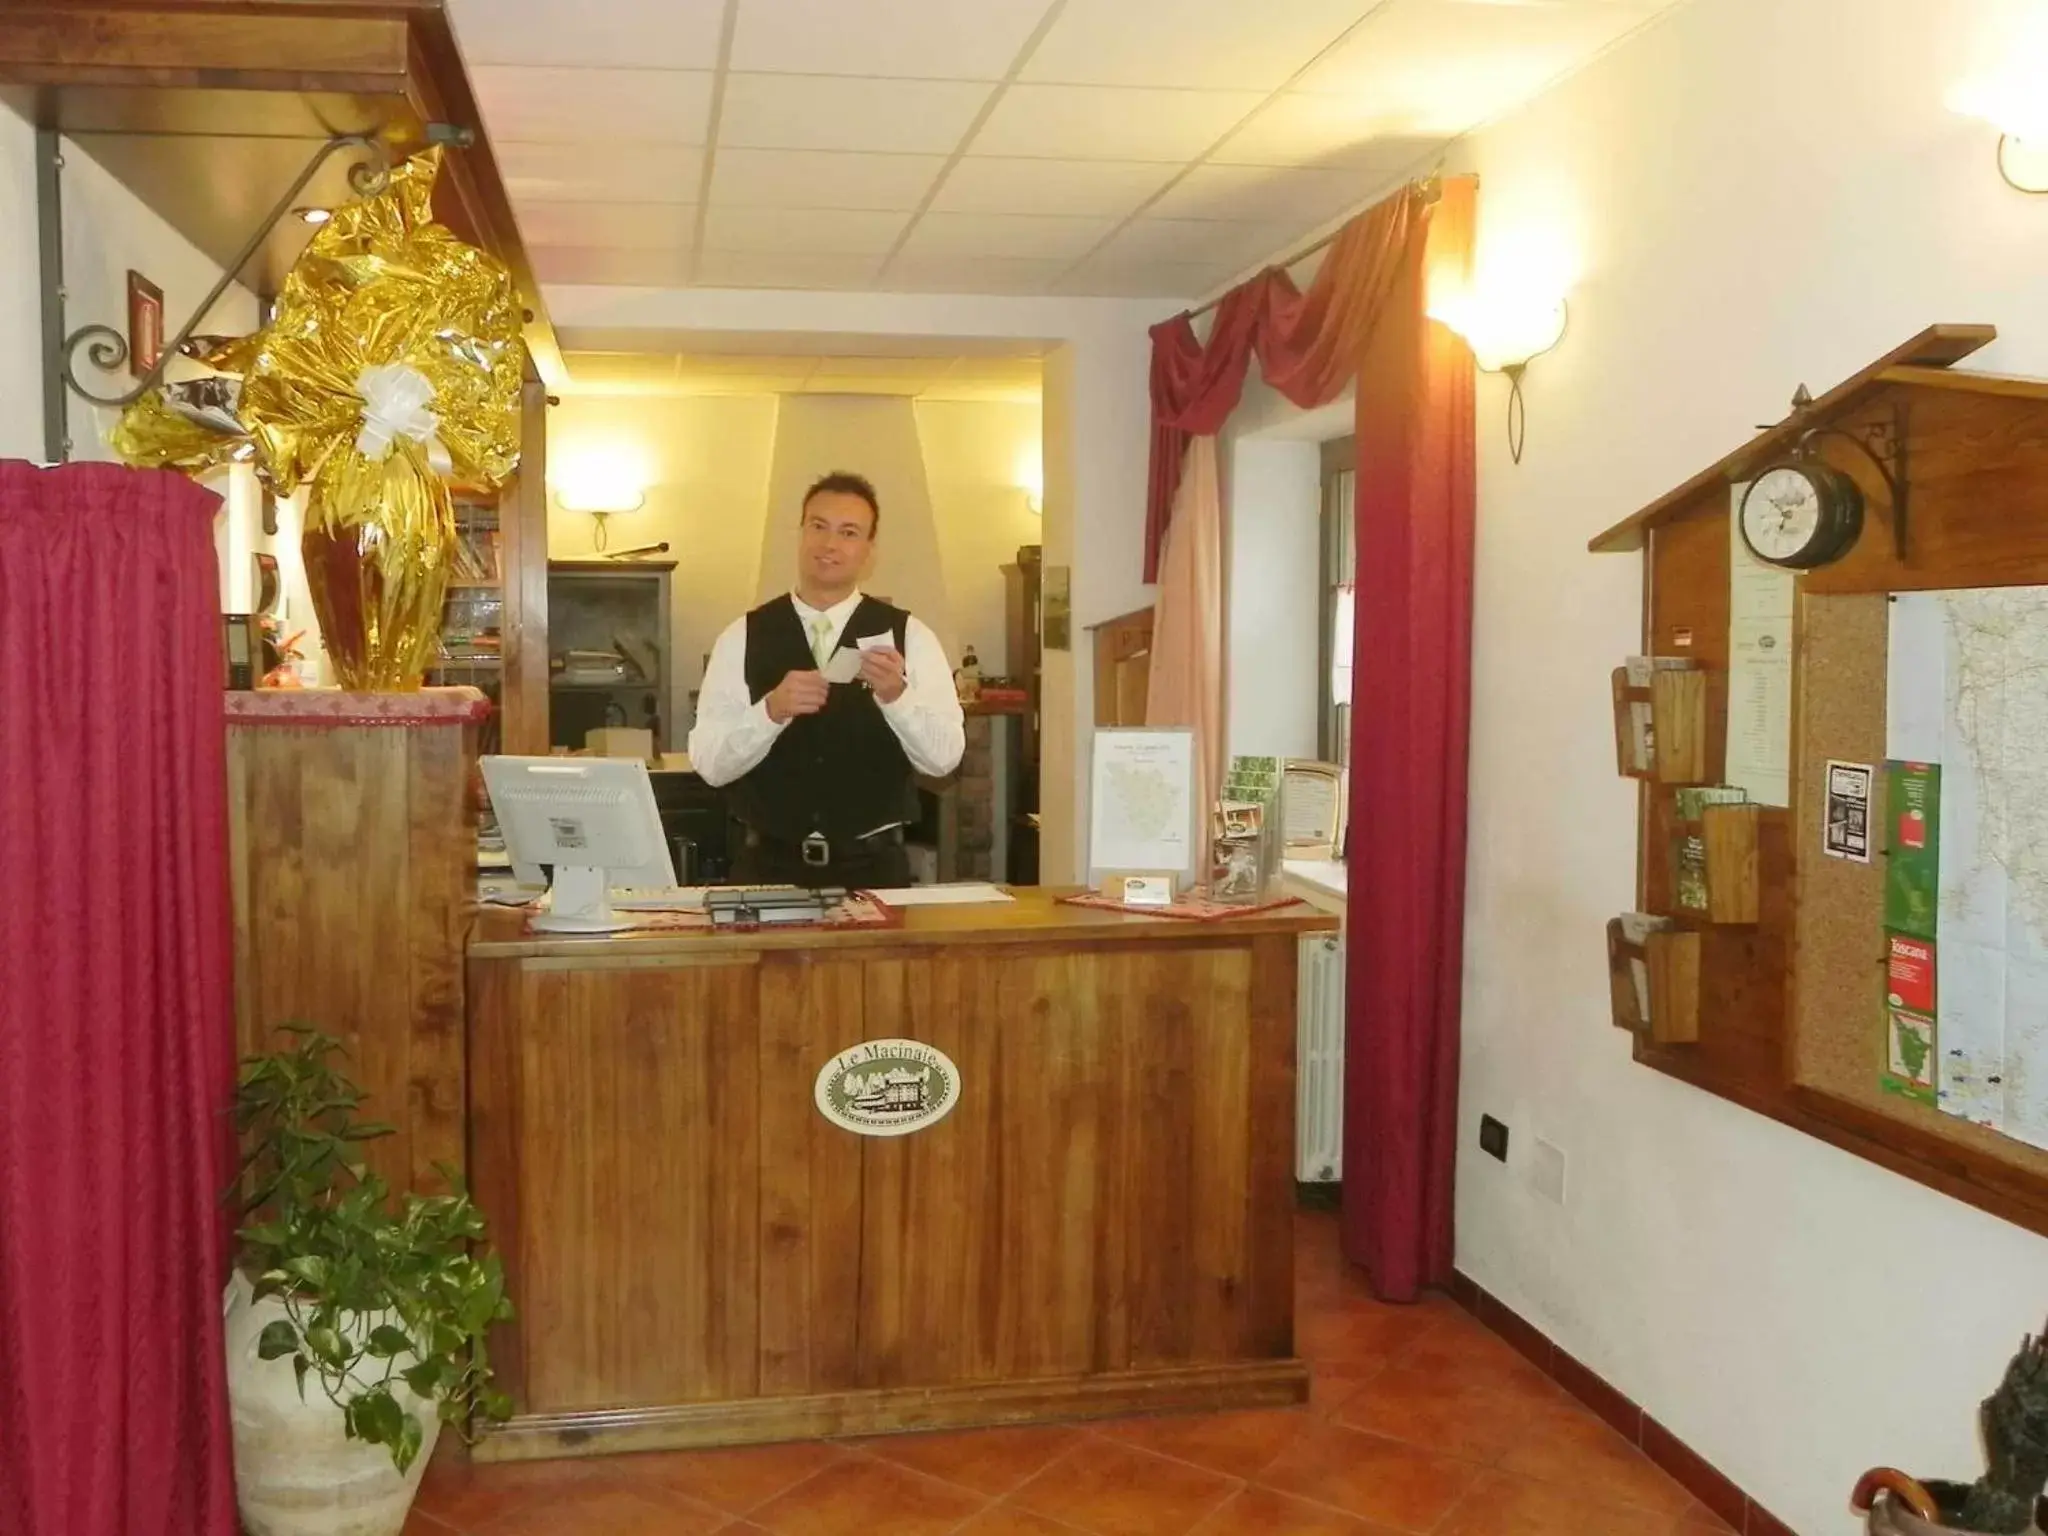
1493	1137
1546	1170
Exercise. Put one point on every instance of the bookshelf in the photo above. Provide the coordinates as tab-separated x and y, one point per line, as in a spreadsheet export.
494	620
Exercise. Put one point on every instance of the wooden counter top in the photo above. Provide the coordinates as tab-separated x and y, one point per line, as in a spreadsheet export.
1036	916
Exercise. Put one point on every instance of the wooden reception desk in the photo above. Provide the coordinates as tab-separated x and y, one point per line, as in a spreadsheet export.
1102	1224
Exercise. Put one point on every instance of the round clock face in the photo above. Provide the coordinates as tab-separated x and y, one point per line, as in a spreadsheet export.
1782	515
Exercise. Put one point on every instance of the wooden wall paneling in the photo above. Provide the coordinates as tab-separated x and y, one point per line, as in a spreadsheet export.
1269	1251
810	1200
638	1088
441	824
494	1144
929	1293
523	528
178	46
1978	503
1063	1061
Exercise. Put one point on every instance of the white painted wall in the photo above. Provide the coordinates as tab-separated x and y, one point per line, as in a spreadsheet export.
106	232
704	462
1752	194
21	378
1096	430
1272	519
875	436
976	454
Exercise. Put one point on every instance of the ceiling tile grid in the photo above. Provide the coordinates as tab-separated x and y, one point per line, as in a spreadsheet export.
1129	148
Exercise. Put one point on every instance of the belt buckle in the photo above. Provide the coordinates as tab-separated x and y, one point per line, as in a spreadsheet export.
817	852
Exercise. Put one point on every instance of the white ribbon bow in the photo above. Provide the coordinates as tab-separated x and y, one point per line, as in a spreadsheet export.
395	398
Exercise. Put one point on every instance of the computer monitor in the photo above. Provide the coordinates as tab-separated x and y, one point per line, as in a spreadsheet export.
593	819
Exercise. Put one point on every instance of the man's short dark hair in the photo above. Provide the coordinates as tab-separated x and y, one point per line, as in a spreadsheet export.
845	483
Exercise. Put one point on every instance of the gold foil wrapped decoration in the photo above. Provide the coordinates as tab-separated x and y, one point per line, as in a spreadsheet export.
391	365
154	434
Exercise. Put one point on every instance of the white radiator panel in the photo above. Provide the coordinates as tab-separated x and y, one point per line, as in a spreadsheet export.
1319	1062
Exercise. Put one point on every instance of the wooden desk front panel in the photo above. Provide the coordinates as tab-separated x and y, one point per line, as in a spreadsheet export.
680	1225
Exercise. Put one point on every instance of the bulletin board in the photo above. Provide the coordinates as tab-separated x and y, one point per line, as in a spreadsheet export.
1790	1007
1838	1039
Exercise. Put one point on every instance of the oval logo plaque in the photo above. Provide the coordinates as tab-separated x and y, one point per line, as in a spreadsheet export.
888	1087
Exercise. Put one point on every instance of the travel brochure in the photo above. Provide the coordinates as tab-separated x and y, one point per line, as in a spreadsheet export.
1243	839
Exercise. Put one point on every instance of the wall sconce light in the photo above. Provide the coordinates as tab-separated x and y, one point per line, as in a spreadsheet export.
600	495
2014	108
1505	331
1031	480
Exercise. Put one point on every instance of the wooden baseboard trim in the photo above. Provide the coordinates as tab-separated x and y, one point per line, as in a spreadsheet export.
888	1410
1693	1472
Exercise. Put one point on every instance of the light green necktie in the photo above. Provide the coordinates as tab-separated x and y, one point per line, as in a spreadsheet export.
821	628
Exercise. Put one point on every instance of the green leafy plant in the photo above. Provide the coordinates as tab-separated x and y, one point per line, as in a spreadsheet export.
372	1295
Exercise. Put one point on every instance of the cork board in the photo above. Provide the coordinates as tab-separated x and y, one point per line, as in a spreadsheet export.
1838	1044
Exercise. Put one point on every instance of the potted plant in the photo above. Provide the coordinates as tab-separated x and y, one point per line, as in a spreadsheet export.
2007	1499
380	1306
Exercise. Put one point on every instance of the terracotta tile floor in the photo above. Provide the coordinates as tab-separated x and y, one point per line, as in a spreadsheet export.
1420	1422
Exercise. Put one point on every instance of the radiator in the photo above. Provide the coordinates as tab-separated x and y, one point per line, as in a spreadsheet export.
1319	1062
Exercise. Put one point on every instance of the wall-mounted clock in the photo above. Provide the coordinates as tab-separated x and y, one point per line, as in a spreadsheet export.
1801	513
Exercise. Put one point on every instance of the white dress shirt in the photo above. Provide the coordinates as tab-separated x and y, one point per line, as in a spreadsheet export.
733	733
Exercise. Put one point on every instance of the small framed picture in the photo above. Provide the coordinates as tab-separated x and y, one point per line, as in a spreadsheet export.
145	325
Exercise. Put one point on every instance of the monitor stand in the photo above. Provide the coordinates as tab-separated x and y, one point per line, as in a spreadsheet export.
579	901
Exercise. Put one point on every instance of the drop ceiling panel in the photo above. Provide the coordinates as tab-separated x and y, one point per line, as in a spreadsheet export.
809	178
1122	278
1004	234
1207	44
607	109
1106	188
1197	242
1442	66
658	173
1332	132
792	229
1085	122
912	273
1260	194
657	34
908	39
625	226
822	112
784	269
609	266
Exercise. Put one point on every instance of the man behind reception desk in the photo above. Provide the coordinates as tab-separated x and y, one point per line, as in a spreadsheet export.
823	774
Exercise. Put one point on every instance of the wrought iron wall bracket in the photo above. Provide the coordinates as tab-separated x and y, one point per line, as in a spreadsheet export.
1883	443
107	348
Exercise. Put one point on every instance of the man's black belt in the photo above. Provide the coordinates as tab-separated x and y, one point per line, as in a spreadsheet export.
816	851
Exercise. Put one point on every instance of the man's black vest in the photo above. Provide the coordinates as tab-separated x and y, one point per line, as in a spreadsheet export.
841	771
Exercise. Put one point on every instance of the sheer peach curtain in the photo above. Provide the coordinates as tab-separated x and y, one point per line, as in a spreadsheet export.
1186	685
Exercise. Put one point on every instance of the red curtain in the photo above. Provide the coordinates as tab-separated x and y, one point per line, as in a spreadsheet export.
1363	316
1308	344
116	1029
1410	691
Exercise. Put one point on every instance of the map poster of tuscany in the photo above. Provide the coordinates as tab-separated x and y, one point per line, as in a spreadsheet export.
1967	731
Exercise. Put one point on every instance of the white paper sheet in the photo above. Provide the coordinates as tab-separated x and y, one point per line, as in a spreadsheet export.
1141	813
844	666
1760	602
966	894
